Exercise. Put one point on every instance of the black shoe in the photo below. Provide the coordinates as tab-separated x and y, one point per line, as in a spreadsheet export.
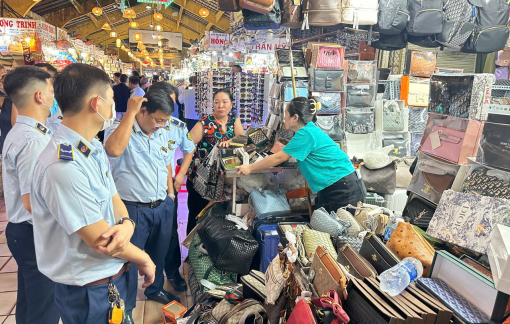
163	297
128	319
178	283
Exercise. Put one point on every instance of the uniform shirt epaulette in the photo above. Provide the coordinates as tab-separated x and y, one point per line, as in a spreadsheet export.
40	127
178	123
65	152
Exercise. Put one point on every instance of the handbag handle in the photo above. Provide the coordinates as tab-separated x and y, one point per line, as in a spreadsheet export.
332	301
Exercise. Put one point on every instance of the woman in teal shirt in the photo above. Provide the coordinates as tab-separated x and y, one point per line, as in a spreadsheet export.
323	164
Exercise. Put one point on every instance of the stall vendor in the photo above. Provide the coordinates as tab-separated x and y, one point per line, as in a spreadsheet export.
323	164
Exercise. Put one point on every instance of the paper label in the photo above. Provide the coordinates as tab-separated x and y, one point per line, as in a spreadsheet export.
434	140
413	273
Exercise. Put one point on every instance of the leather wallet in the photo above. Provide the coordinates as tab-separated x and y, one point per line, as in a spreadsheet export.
375	252
327	273
302	313
327	80
354	263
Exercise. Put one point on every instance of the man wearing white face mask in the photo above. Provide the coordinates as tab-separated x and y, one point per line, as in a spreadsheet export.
140	150
31	90
82	230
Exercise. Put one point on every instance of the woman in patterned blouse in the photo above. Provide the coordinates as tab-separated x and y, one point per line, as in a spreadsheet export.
220	127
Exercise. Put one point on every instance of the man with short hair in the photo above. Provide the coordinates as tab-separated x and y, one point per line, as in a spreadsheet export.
48	68
116	78
188	99
179	138
144	84
135	73
81	227
134	85
121	94
139	148
31	90
55	119
237	69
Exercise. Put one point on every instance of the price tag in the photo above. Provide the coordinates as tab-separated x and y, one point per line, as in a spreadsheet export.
435	141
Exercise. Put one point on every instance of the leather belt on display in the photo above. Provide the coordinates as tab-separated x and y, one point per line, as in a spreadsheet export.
154	204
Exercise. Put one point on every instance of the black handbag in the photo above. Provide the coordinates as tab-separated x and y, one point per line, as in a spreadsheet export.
327	80
382	180
419	211
283	57
376	252
257	21
230	248
360	95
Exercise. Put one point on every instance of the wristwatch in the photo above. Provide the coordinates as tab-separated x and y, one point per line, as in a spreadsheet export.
171	196
121	221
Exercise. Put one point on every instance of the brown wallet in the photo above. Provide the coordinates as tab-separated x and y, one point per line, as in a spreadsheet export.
354	263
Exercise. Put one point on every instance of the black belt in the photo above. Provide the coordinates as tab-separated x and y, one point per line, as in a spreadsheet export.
154	204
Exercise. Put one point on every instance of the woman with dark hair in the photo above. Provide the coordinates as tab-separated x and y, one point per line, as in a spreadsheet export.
324	165
218	127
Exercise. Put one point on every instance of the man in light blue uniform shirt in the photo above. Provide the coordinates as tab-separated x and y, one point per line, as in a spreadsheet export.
139	149
31	90
81	227
55	119
178	138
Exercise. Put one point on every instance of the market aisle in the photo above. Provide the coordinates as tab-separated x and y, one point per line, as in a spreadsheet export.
146	312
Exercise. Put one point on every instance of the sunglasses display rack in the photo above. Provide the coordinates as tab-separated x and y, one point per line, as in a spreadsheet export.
250	91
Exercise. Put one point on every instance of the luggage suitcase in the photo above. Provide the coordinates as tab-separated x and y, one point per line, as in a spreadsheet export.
259	6
229	5
265	233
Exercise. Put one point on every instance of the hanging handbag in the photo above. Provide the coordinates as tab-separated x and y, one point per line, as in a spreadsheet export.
269	203
360	12
331	102
210	177
330	57
257	21
406	241
326	80
231	248
355	264
393	115
421	64
321	13
419	211
260	6
376	252
312	239
328	274
404	176
291	13
372	218
229	5
283	57
331	125
360	95
382	180
360	120
330	223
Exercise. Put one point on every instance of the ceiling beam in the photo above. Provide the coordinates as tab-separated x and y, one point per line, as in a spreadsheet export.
191	6
93	18
180	13
219	14
63	16
208	27
77	6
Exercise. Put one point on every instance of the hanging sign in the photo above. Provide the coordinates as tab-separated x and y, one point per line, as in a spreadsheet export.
166	3
271	45
15	26
218	40
62	34
48	32
174	39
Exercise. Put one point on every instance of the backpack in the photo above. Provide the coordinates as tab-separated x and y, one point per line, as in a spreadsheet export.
491	31
393	16
391	42
426	17
459	23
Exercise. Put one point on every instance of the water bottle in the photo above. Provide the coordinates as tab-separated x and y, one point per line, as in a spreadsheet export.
396	279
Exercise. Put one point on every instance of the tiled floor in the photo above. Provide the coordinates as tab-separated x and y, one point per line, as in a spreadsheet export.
146	312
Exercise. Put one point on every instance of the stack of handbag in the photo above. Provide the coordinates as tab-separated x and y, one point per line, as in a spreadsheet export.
327	76
360	93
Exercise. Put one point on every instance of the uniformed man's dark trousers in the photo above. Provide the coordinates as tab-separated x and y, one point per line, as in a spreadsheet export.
173	256
87	305
35	302
152	234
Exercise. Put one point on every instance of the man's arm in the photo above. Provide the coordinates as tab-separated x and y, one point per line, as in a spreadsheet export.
117	141
170	181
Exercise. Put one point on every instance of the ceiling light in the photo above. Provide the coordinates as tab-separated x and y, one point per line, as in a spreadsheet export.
137	36
129	13
118	42
113	34
97	11
148	7
158	16
151	25
203	12
134	24
106	26
158	27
